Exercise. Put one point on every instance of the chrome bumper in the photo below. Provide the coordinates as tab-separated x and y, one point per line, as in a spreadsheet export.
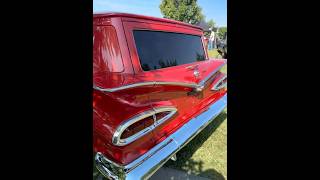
150	162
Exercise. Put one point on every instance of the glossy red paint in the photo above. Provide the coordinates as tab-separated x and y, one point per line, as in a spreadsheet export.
116	63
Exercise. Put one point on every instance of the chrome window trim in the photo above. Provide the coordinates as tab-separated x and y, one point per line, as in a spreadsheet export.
197	87
116	139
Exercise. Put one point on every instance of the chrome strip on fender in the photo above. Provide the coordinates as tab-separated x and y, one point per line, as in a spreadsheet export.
123	87
197	87
192	85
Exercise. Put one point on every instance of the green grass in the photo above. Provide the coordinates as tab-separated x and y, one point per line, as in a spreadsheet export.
214	53
206	154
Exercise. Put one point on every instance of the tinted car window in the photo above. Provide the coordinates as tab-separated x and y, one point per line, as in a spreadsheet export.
158	50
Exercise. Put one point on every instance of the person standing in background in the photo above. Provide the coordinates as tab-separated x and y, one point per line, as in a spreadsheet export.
212	40
217	39
217	42
209	40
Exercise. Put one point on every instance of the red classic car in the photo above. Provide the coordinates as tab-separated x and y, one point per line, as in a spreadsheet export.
154	90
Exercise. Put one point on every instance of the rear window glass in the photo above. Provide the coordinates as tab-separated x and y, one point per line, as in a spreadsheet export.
158	50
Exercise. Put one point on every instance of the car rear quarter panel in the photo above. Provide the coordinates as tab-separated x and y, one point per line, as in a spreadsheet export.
112	109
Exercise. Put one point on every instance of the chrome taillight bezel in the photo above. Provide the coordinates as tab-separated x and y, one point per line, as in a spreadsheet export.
219	84
116	139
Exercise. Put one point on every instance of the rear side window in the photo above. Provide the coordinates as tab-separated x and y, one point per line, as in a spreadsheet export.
158	50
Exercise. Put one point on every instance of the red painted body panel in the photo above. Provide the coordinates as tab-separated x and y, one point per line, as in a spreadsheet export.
116	63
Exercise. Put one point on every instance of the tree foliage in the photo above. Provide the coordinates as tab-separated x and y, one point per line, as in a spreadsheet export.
182	10
211	23
221	32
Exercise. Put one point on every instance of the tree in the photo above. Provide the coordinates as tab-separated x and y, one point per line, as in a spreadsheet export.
221	32
182	10
211	23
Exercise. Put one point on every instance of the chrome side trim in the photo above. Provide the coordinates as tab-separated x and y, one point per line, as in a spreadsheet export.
123	87
151	161
192	85
116	139
197	87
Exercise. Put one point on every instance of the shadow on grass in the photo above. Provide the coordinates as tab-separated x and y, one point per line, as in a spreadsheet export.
184	160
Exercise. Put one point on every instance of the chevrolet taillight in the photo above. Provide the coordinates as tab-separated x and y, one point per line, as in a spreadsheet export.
141	124
137	127
220	83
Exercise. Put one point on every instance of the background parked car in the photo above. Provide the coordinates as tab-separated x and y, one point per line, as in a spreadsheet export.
222	46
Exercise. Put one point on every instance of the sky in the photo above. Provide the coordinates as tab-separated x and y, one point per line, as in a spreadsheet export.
212	9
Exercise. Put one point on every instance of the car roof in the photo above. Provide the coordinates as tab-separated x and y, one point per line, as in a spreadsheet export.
120	14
